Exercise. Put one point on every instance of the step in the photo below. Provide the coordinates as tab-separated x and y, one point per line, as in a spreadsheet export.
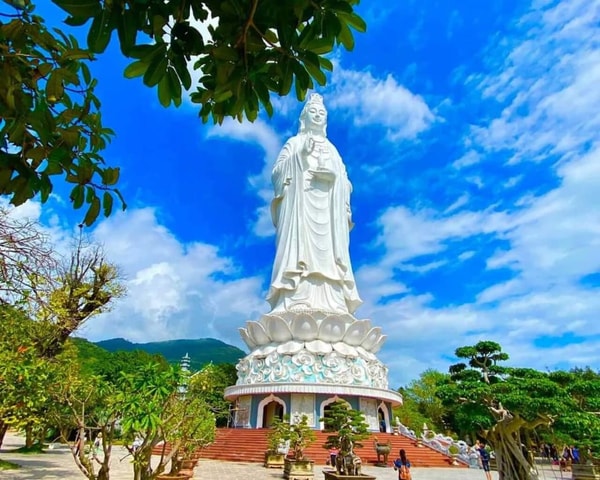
249	445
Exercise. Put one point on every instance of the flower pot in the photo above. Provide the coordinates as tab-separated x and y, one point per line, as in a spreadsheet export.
298	469
585	472
188	464
274	459
336	476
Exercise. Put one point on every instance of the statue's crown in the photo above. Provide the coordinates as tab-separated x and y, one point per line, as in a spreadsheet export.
315	98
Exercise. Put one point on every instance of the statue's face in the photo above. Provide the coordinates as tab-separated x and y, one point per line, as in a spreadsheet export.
316	115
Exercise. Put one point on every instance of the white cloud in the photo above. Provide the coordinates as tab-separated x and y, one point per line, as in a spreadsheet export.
175	289
512	181
549	82
468	159
466	255
546	83
383	102
459	202
407	235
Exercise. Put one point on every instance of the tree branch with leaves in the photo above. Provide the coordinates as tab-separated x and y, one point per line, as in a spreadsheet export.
51	123
503	405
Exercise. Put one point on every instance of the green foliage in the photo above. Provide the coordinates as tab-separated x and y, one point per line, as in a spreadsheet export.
253	49
154	409
277	436
60	293
50	123
301	436
202	351
579	425
209	385
483	360
298	433
505	405
348	424
4	465
27	380
84	286
95	360
421	403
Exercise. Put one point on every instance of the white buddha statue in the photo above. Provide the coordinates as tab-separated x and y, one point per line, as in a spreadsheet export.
311	213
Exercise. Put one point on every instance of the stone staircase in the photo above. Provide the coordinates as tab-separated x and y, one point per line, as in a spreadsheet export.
249	445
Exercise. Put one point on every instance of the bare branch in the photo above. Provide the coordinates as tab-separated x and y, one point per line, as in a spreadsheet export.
27	261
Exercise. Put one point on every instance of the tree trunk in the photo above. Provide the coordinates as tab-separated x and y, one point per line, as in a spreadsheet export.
103	472
28	436
3	430
141	467
505	440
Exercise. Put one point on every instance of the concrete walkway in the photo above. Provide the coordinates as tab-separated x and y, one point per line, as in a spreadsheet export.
58	464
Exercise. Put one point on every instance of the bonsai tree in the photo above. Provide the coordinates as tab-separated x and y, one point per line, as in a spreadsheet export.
277	436
300	435
276	439
507	405
348	427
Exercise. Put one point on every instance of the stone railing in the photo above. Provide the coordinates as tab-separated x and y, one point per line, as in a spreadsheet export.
459	450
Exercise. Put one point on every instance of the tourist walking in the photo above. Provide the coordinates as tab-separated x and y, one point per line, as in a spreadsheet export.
484	456
402	465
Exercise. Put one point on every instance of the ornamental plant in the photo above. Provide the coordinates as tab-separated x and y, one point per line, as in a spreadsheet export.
348	427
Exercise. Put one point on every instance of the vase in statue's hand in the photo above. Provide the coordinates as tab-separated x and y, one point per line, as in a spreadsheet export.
323	174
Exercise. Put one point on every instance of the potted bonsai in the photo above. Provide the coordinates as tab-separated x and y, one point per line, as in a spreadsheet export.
277	446
300	435
347	428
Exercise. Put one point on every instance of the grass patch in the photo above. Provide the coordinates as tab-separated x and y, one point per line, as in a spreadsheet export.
4	465
34	449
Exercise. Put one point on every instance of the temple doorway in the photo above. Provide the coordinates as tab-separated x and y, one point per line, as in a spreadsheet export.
271	411
326	427
381	418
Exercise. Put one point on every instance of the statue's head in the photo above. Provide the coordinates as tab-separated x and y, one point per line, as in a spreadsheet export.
314	115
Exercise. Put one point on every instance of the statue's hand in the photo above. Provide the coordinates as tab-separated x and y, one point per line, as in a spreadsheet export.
309	145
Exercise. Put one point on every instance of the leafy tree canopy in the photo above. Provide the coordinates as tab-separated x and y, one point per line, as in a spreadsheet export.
156	409
209	384
348	427
506	405
421	404
28	380
51	123
95	360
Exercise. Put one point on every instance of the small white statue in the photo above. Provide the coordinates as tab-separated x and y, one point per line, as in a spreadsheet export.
311	213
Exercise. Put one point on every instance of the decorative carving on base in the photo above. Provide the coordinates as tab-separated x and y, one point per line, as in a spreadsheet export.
308	367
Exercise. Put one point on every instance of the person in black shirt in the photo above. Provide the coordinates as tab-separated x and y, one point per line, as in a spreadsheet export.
484	455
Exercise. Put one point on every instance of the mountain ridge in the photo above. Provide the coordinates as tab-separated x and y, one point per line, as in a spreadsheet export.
200	350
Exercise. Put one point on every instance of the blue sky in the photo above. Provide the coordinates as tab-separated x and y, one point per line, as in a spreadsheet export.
470	131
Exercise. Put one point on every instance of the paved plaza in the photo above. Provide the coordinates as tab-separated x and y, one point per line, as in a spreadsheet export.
57	464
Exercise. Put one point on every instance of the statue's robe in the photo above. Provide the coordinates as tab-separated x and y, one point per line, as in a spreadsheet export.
311	213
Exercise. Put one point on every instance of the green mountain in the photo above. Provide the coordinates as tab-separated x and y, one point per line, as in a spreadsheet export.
201	350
